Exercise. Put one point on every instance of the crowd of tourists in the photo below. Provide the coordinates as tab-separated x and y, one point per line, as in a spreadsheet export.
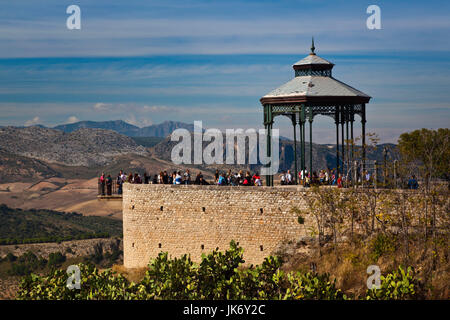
333	178
305	178
107	183
323	177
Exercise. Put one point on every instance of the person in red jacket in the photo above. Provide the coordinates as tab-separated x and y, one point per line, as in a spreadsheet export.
339	181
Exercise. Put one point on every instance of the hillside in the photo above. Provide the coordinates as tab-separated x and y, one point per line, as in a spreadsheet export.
84	147
147	142
161	130
119	126
36	153
324	156
18	168
28	226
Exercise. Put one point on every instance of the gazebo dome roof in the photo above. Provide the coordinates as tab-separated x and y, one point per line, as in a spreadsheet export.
304	88
313	59
314	84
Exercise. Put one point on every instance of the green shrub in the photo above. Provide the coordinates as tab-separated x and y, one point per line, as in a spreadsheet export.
55	259
19	269
11	257
218	276
382	245
94	285
397	285
25	264
69	250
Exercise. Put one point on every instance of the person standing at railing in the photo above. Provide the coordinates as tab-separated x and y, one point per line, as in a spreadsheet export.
109	185
102	183
123	176
165	177
257	180
339	181
288	177
187	177
412	183
221	180
199	178
283	178
177	178
119	184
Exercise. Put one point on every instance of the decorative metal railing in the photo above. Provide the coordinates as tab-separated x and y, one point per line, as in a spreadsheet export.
105	189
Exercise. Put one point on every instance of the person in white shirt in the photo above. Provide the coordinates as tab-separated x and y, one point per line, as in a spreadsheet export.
177	179
123	176
283	179
303	175
289	177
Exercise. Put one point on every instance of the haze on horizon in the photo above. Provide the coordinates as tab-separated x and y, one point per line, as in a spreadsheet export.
145	63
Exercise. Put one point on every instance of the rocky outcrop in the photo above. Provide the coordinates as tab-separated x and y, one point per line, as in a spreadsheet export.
84	147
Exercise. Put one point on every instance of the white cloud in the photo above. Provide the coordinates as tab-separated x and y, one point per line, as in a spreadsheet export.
211	35
140	122
32	122
158	109
100	106
72	119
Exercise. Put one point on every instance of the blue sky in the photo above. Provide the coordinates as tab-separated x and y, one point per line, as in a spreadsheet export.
149	61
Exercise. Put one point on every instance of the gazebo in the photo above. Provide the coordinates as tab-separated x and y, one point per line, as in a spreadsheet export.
314	91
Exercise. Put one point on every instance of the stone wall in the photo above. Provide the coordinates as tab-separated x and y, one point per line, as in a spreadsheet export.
197	219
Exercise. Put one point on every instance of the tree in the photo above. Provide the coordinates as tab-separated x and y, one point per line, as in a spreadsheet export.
428	150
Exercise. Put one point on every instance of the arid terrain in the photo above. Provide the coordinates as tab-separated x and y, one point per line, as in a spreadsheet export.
68	195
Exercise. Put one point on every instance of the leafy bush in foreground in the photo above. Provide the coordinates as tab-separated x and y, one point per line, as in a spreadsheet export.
218	276
398	285
94	285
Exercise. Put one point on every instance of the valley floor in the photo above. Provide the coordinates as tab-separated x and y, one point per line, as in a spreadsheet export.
68	195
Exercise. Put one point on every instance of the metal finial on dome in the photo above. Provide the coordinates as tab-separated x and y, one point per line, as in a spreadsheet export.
312	47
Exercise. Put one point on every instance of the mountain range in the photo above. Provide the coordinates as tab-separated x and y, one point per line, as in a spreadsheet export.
83	147
157	130
29	153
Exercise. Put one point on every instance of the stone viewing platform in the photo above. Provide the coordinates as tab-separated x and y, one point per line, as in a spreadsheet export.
111	197
115	196
196	219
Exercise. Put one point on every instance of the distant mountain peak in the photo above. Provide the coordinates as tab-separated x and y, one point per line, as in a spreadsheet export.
82	147
156	130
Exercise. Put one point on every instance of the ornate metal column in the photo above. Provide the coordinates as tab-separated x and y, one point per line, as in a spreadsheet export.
294	124
342	138
352	118
268	122
301	141
336	120
363	128
303	120
310	138
347	118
